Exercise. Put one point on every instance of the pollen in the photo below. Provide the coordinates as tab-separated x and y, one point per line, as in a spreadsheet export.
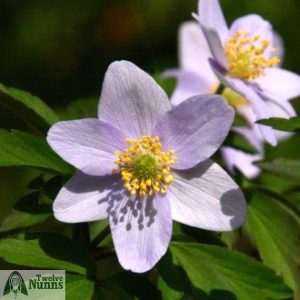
246	55
144	168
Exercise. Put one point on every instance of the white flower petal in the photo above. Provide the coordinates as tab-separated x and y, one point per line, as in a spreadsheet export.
131	100
206	197
211	16
143	234
235	158
85	198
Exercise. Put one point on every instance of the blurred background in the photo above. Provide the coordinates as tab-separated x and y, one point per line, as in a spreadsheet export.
60	49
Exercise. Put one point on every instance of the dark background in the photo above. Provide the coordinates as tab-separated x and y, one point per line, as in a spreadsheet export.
60	49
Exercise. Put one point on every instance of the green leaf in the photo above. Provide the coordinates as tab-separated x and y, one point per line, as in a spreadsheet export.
36	114
283	167
216	270
22	149
47	251
237	141
79	287
276	231
79	109
292	124
27	212
20	219
167	84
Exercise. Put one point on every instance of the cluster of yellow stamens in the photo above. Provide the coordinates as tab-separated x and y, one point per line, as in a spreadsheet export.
245	55
144	168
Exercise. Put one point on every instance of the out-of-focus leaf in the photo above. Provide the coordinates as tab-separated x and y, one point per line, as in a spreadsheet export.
168	84
22	149
79	287
276	232
283	167
292	124
28	211
79	109
20	219
13	185
29	108
237	141
47	251
216	270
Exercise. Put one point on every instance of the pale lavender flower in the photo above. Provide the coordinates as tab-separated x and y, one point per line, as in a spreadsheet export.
243	58
195	76
143	163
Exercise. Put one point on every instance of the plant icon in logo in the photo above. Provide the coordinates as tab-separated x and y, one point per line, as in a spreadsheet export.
15	284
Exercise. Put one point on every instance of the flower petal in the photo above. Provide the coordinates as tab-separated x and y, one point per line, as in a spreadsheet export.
279	84
254	25
190	84
131	100
195	129
211	16
87	144
85	198
142	237
216	46
235	158
194	52
279	46
259	106
206	197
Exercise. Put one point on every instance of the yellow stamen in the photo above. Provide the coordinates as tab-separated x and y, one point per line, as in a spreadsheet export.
245	56
144	168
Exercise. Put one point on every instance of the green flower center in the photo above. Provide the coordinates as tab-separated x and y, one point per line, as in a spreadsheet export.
145	166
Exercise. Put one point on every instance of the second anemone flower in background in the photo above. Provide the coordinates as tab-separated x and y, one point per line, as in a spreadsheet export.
143	163
244	58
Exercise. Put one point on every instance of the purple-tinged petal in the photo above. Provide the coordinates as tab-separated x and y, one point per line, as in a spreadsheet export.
211	16
194	52
251	135
131	100
195	129
190	84
242	161
216	46
142	234
279	84
87	144
85	198
206	197
254	25
259	106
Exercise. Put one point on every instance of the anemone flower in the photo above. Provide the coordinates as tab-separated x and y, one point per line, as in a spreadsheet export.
143	163
195	76
244	58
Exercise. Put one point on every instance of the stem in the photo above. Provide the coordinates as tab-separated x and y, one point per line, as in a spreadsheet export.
80	233
100	237
104	252
220	89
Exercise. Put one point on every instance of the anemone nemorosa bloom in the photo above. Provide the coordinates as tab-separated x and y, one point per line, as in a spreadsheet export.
244	58
195	76
143	163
